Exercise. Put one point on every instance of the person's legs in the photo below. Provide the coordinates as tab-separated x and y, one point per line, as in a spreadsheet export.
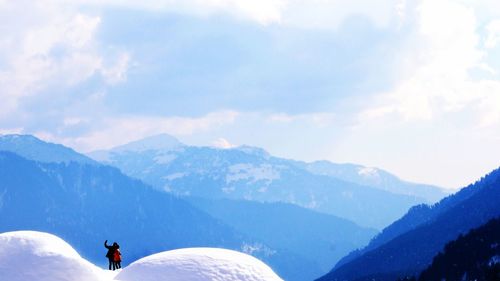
119	264
110	263
114	265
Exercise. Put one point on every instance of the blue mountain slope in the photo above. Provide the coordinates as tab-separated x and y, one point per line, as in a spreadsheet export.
86	204
416	216
252	174
408	246
475	256
319	237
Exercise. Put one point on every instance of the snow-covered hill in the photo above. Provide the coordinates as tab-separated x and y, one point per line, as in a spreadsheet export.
32	255
198	264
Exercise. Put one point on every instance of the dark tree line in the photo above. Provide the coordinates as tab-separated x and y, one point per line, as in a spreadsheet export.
474	256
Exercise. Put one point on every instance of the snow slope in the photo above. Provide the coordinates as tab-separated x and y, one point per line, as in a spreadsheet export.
32	255
198	264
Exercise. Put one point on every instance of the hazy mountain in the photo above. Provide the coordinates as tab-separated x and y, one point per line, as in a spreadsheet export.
86	204
252	174
162	142
474	256
375	177
318	237
408	246
33	148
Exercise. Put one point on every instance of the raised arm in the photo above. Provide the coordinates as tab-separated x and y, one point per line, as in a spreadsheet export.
106	244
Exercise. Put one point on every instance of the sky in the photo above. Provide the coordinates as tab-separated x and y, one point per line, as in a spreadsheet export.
412	87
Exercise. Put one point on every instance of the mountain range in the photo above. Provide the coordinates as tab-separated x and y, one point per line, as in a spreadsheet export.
368	196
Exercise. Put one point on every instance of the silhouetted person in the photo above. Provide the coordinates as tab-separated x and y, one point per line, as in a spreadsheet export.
111	253
117	257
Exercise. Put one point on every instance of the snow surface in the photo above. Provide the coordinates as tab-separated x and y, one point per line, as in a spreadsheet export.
39	256
198	264
31	255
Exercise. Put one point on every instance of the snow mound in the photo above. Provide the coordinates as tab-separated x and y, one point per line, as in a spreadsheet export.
32	255
198	264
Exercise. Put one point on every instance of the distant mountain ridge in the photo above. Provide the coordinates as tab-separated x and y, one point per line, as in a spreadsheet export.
33	148
375	177
250	173
408	246
162	142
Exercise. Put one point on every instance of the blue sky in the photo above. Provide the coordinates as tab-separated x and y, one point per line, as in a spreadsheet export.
409	86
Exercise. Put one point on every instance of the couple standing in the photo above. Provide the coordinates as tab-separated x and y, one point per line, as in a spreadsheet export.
114	256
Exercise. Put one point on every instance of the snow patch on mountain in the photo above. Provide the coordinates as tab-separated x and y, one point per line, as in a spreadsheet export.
257	248
174	176
228	189
368	172
198	264
163	158
254	173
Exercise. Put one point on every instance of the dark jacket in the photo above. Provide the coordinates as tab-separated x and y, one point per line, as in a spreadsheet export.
111	249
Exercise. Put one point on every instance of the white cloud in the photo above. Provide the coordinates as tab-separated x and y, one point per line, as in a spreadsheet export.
118	71
330	14
444	113
300	13
493	37
46	44
11	131
317	119
447	86
261	11
440	81
107	132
